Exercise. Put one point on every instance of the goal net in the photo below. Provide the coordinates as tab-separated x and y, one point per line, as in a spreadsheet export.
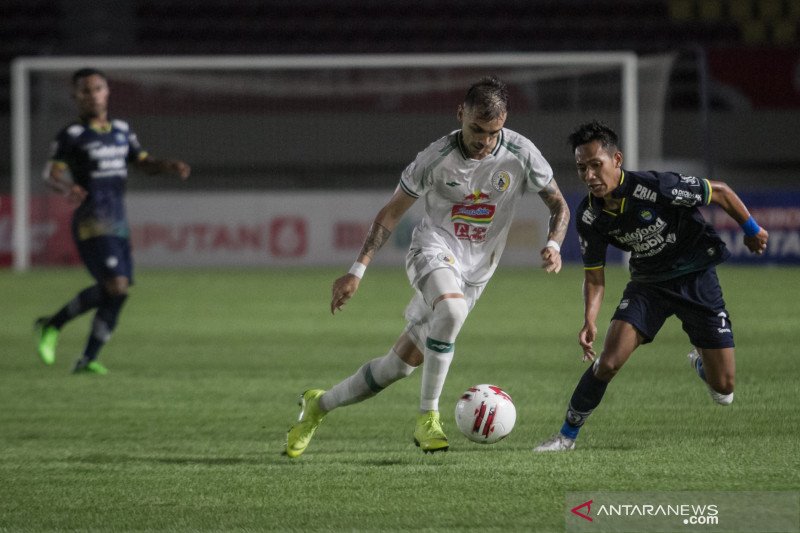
308	139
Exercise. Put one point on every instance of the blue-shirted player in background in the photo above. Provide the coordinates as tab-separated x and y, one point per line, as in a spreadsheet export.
654	216
89	165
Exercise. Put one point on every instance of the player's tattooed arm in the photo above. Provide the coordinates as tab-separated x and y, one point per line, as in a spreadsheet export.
559	211
384	223
376	238
346	286
386	220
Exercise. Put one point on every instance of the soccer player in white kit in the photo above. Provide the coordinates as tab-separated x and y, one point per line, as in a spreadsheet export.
471	181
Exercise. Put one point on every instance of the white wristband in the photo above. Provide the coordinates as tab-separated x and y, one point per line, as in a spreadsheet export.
358	269
553	244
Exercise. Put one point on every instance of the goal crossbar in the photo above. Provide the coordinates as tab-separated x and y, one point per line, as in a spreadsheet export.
22	69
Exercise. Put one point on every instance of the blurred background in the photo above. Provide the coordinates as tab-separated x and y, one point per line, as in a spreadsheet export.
289	165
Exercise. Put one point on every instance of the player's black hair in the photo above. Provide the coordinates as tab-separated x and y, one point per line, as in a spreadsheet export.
85	73
594	131
489	97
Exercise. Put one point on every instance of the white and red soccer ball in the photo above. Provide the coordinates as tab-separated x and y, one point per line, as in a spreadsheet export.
485	414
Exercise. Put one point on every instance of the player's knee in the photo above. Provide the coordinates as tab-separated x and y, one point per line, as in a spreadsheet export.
116	287
606	368
449	315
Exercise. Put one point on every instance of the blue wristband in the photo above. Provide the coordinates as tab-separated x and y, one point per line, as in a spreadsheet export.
750	227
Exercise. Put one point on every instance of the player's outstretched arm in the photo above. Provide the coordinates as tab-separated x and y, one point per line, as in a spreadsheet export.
385	221
594	286
559	221
176	167
755	237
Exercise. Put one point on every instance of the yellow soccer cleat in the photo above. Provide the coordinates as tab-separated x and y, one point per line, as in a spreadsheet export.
302	431
428	434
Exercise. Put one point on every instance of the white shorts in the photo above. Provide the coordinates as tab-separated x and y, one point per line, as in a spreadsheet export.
420	263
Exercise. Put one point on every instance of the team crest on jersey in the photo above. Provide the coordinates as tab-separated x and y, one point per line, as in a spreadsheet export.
501	180
75	130
646	215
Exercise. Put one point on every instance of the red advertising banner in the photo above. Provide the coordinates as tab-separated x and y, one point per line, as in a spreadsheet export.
51	241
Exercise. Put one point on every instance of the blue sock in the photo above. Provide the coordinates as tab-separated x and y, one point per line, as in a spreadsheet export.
103	325
698	367
87	299
587	396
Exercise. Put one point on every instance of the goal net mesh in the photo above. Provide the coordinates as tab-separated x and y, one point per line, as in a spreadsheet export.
332	129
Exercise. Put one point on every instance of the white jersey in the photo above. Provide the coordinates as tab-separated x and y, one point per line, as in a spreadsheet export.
469	204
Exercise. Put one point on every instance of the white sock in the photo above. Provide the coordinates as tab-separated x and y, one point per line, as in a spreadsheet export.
448	317
722	399
368	381
434	372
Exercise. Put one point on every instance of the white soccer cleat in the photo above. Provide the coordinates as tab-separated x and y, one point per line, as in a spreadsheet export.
694	356
695	360
556	443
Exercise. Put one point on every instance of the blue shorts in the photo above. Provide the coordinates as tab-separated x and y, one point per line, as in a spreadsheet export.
696	299
107	257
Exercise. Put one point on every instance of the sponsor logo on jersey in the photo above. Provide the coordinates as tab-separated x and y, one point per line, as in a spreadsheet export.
647	241
475	197
588	216
641	235
624	304
691	180
501	180
686	198
468	232
474	214
471	219
108	152
643	193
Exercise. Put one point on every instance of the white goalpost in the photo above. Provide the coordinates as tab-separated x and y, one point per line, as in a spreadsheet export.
536	66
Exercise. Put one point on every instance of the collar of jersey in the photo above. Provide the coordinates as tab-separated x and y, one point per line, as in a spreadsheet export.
619	192
107	128
464	153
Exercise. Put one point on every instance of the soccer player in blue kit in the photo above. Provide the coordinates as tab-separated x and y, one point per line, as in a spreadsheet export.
674	251
96	151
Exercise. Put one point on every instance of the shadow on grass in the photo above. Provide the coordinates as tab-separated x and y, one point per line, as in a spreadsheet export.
109	459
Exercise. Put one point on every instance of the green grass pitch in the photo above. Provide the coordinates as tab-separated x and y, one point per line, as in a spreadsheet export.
186	431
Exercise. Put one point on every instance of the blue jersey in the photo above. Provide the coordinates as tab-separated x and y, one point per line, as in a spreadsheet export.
658	223
98	161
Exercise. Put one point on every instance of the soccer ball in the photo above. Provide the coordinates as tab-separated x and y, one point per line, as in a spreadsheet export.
485	414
